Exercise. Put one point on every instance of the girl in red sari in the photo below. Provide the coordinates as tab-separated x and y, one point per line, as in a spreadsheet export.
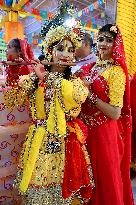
107	114
18	51
14	122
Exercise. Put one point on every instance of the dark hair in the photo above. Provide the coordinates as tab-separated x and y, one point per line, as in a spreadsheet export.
16	44
88	39
41	57
106	28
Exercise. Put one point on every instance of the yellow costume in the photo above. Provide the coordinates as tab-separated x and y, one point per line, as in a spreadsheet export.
116	79
54	164
43	166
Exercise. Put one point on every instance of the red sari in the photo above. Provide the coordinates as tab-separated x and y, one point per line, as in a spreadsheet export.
78	179
108	141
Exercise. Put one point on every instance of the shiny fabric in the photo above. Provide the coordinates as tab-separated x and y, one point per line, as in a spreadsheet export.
108	141
125	121
76	176
66	165
13	128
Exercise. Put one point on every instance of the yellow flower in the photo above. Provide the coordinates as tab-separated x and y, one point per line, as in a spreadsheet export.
114	29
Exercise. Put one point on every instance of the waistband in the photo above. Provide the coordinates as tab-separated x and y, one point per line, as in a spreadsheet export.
94	120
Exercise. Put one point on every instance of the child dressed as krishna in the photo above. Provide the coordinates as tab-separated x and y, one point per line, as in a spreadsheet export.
54	166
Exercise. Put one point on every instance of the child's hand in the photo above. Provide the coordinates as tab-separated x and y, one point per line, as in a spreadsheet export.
40	71
23	79
87	81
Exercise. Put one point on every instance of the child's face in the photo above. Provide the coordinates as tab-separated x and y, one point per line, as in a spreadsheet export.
63	52
12	52
105	42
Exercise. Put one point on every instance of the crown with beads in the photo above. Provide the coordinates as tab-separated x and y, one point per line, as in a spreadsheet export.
60	27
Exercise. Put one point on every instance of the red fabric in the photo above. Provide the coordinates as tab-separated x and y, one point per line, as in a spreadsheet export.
133	108
125	120
13	72
99	87
109	140
26	51
76	175
106	149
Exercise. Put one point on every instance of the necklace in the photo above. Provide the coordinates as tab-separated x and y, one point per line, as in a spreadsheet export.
104	63
98	68
52	77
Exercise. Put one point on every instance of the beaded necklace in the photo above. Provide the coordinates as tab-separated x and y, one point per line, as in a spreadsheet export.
99	68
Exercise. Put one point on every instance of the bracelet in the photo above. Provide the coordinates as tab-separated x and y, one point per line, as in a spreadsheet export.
93	98
45	77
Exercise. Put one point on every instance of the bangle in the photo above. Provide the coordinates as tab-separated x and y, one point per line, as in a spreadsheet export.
93	98
46	76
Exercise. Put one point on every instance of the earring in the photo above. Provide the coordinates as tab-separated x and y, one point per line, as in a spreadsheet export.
49	57
73	59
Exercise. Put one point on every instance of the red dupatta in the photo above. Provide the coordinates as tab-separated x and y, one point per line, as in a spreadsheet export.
14	71
119	59
125	120
27	53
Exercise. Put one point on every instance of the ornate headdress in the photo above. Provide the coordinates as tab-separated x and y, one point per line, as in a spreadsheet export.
61	27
